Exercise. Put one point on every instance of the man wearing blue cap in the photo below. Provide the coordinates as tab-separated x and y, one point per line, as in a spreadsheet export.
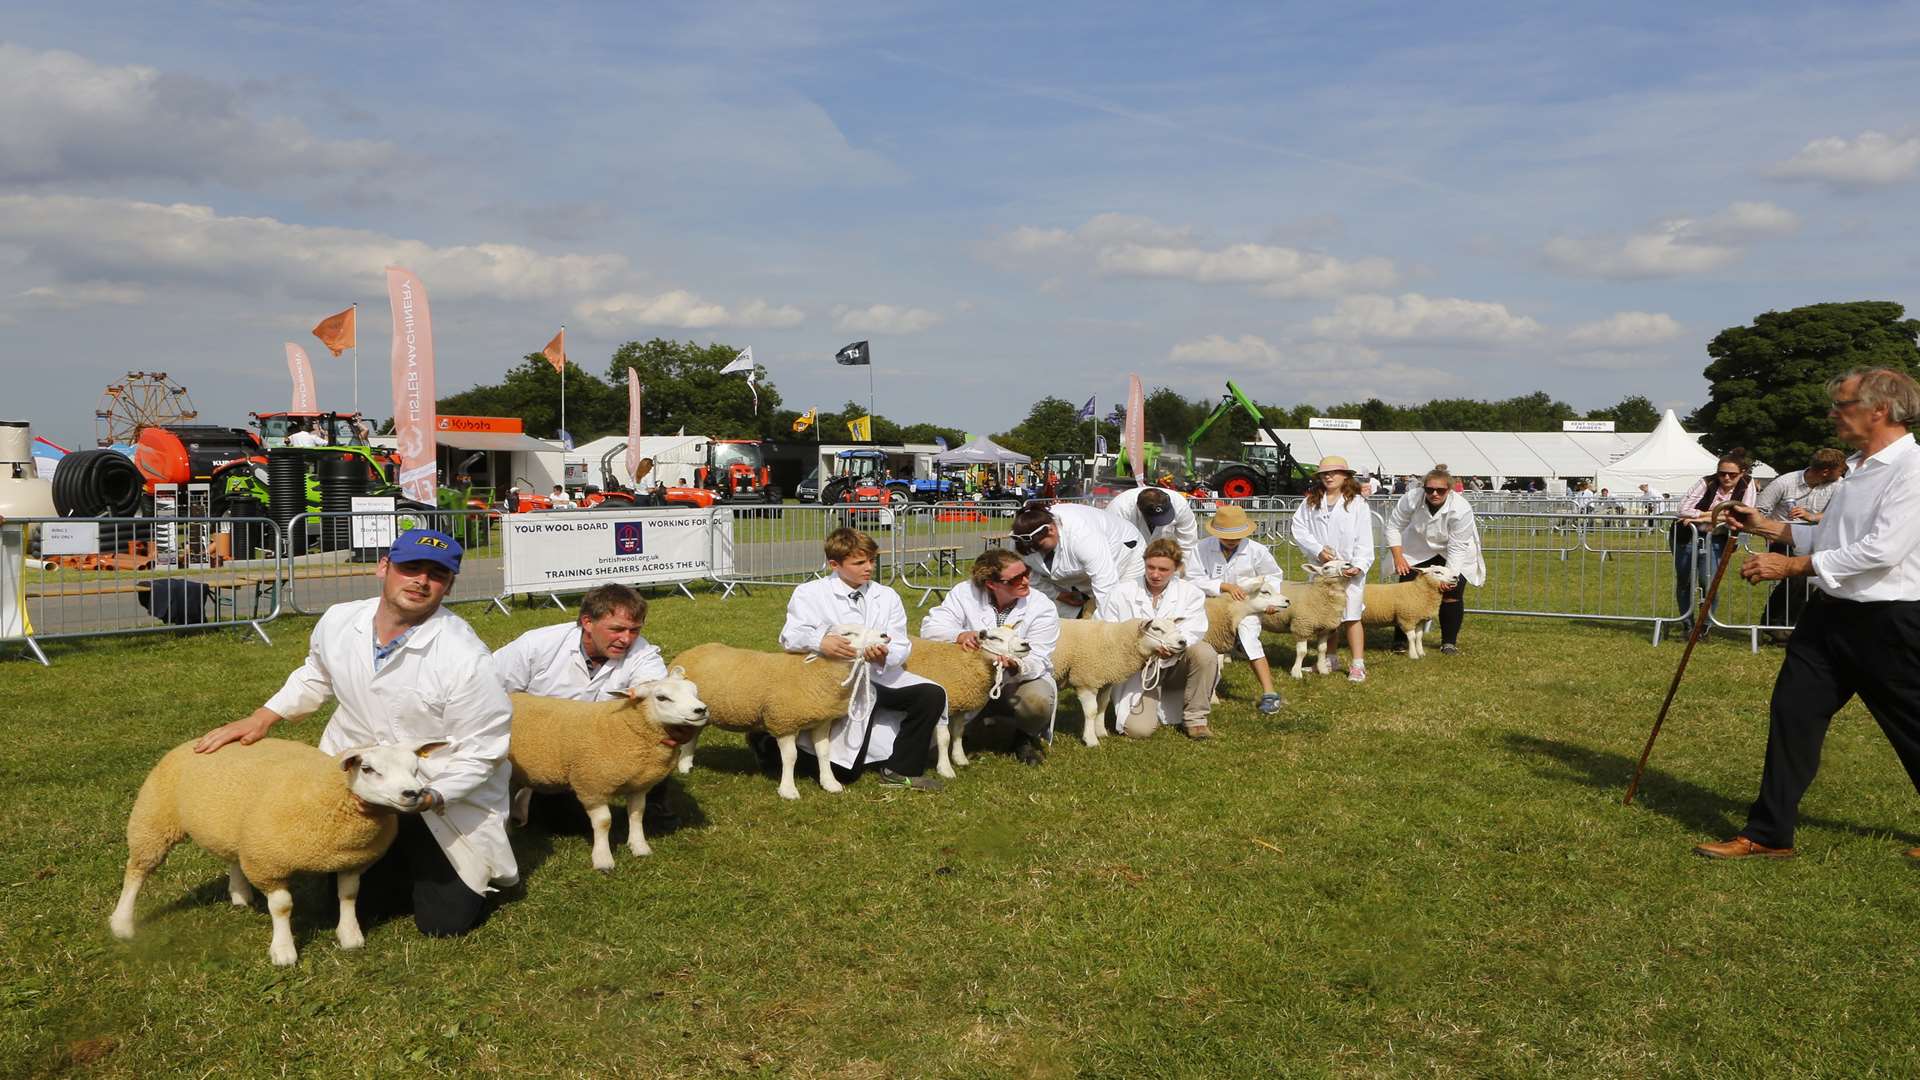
405	671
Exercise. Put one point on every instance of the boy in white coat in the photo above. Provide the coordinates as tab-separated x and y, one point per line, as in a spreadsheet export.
1334	523
1187	676
998	593
1228	556
894	724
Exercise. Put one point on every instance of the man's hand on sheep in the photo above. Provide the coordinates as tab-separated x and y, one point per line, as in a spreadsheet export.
1233	589
246	732
968	640
1400	564
877	654
836	647
1327	554
1353	571
1072	598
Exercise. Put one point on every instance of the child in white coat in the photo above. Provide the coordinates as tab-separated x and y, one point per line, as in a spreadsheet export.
1228	556
1334	523
1188	676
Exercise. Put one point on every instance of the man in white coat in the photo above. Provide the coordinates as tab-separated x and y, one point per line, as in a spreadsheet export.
998	593
1157	512
405	670
596	657
1188	676
1078	554
891	724
1433	525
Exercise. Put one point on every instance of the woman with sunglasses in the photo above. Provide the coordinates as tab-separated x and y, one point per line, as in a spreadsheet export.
1433	525
1077	554
1334	523
999	592
1696	545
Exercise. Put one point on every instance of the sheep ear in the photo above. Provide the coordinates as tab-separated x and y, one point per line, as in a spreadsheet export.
676	672
349	759
1308	567
633	692
425	748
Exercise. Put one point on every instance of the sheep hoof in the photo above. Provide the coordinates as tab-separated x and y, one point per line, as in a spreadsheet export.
639	849
789	792
945	769
352	939
283	954
1090	739
685	765
122	928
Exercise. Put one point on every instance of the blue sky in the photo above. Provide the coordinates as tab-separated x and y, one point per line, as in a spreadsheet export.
1321	202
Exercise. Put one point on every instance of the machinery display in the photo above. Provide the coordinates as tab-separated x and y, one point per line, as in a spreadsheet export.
1263	469
736	471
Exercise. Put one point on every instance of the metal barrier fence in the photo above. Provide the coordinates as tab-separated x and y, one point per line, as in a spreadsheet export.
110	576
783	545
333	556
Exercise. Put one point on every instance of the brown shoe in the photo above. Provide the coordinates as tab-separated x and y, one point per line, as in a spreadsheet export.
1741	848
1913	853
1199	731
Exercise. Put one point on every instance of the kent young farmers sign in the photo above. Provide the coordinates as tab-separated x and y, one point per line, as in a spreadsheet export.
554	551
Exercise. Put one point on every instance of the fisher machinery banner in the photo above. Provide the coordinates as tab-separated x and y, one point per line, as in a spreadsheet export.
566	551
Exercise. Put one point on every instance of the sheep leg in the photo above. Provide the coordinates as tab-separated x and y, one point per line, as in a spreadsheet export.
789	754
522	801
636	834
1416	640
822	736
1299	658
280	906
149	837
943	742
602	819
685	765
346	886
1325	666
122	920
959	751
239	889
1091	715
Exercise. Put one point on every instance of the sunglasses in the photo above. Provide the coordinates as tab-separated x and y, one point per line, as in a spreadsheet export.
1729	474
1024	542
1438	491
1017	579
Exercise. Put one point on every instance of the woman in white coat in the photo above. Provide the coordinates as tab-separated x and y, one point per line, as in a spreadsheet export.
998	593
1433	525
1228	556
1163	593
1334	523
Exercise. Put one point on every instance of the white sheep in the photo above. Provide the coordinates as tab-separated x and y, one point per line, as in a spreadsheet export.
780	693
1280	620
1318	613
1410	605
1095	656
1264	597
603	751
273	809
971	678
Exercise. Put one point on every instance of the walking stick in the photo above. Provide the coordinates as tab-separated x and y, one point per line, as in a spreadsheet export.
1699	627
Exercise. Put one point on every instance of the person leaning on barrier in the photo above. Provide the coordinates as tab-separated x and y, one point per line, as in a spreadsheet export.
595	657
1157	512
1228	556
997	593
1861	632
1077	554
1434	525
405	670
1797	496
1695	541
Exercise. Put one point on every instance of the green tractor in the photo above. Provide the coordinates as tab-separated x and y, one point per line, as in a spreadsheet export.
1264	469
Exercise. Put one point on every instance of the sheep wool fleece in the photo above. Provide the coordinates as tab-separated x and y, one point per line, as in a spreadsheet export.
813	611
440	685
547	662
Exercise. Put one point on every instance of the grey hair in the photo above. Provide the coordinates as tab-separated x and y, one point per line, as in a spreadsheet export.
1884	386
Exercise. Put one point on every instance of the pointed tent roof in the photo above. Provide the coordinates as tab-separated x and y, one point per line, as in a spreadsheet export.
1669	461
981	451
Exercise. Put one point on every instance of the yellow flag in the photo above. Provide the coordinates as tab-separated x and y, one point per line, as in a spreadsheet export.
860	428
805	420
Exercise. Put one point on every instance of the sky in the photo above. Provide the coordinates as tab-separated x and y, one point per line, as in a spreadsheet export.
1320	202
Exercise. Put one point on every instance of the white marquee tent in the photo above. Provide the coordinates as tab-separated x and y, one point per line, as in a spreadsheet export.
1668	461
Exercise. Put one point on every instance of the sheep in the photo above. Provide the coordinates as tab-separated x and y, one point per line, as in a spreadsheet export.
1264	596
1280	620
970	678
1093	657
272	809
1318	613
603	750
1410	605
781	694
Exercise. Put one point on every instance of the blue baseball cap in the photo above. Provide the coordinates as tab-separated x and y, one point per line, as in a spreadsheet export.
426	545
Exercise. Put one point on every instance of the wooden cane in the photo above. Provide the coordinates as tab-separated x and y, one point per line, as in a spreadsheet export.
1699	627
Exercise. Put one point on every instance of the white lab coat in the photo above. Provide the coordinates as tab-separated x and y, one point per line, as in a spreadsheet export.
1250	559
1453	532
548	662
1181	599
812	612
440	685
968	607
1097	553
1347	528
1184	529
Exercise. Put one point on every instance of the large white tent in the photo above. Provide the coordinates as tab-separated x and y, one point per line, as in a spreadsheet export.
1467	453
1668	461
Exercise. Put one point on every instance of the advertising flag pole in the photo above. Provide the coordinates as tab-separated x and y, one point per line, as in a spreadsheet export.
869	393
356	357
563	376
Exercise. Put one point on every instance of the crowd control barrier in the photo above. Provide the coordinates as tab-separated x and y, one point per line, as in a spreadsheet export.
333	557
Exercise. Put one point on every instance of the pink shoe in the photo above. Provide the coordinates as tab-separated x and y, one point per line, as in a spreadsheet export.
1357	673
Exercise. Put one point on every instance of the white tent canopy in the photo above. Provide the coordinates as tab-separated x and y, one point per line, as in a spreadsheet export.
1669	461
981	451
1572	454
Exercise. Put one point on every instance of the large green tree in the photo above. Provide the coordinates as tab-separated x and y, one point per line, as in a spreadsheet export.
1768	381
1634	413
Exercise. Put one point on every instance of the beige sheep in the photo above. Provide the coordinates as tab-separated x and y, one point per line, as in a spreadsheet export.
1318	613
971	678
1093	657
603	751
782	694
1280	620
1264	597
1410	605
273	809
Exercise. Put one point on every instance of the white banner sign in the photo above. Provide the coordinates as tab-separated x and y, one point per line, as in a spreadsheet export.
1586	425
1334	423
572	550
375	529
70	538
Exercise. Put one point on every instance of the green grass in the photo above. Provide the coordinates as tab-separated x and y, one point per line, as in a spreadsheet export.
1430	874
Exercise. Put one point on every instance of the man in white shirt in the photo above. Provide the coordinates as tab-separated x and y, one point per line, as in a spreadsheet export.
1434	525
305	436
1078	554
405	670
596	657
559	498
1157	512
1861	633
1797	496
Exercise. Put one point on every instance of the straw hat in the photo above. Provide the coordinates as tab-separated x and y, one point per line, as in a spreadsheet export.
1334	463
1231	523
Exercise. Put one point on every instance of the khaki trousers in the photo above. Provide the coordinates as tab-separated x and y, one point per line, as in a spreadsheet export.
1189	680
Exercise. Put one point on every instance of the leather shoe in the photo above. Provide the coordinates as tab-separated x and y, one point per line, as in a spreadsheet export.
1914	853
1741	848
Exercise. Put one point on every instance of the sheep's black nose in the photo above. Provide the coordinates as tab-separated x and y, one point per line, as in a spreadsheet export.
411	793
701	711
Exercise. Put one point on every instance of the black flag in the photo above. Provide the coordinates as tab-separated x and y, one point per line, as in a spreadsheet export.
854	354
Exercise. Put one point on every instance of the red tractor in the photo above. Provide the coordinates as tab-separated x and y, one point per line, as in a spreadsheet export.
736	471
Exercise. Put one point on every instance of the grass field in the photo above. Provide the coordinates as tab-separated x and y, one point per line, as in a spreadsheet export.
1430	874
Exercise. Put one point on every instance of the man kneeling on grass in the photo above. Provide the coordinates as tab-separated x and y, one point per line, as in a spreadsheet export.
893	724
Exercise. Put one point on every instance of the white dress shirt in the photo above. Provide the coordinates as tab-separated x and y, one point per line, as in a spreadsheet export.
548	662
440	684
1791	490
1250	559
970	607
1867	547
1452	532
1181	599
1183	529
1346	527
1097	552
812	612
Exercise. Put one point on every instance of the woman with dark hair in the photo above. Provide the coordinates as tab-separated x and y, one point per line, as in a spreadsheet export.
1696	544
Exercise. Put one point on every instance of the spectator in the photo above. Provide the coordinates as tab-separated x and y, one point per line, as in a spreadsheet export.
1188	676
1696	546
1582	497
1436	527
304	435
1800	496
559	498
1334	523
1077	554
1228	556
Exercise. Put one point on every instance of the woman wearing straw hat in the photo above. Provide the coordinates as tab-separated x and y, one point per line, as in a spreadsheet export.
1334	523
1227	556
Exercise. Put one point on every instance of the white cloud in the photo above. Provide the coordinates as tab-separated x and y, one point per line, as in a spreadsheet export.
1674	247
1120	245
681	310
1358	371
886	319
1625	330
1413	317
82	294
64	118
1870	159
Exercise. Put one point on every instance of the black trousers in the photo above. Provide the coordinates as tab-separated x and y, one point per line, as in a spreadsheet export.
415	876
922	705
1453	605
1841	648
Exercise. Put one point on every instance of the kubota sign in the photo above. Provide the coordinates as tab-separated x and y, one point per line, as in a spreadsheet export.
499	425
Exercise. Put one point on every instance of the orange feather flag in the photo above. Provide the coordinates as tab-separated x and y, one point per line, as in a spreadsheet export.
556	350
336	332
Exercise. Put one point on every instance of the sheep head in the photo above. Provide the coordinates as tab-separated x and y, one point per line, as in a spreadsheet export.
1263	595
675	705
1004	642
862	637
1161	633
1333	570
387	776
1440	577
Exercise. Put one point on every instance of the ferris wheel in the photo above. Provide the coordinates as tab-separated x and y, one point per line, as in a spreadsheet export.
144	399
